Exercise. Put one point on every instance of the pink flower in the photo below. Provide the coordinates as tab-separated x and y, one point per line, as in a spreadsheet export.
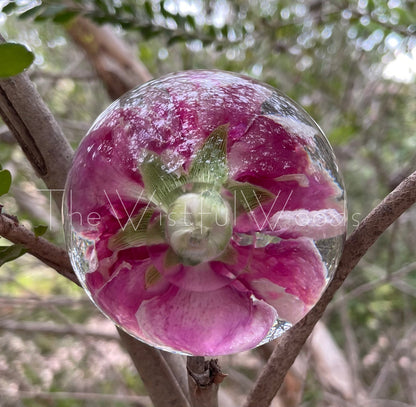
195	209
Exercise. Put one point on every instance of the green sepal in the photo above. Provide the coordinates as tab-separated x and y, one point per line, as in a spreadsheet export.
171	259
210	163
136	233
9	253
151	277
162	187
247	196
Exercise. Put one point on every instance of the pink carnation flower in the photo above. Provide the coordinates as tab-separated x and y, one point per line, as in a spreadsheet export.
195	208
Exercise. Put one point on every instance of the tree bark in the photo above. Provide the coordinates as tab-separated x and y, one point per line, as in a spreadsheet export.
36	130
109	55
157	376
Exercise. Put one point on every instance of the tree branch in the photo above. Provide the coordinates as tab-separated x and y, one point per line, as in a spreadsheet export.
155	372
36	130
289	345
48	253
110	56
204	377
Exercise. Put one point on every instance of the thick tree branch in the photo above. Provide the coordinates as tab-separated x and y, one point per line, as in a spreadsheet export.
155	372
36	130
290	344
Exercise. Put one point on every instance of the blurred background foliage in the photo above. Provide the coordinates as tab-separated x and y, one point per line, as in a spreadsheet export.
351	64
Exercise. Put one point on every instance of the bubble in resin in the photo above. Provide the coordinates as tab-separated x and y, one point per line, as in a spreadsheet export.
204	213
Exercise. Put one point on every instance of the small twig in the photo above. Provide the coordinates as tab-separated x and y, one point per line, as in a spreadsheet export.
204	378
39	247
289	345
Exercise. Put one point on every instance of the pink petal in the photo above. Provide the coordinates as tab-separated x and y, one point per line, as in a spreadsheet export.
266	150
207	276
206	323
121	296
270	156
234	101
289	307
291	267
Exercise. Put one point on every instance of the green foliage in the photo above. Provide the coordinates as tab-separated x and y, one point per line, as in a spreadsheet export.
10	253
14	59
40	230
5	181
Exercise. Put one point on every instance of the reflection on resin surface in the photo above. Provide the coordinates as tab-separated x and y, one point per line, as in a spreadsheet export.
204	213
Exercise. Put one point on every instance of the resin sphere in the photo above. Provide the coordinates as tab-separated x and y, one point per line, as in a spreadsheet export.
204	213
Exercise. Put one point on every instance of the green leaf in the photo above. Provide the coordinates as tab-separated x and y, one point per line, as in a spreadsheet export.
177	38
51	12
5	181
9	253
65	16
224	31
148	8
248	196
191	21
162	187
210	163
106	6
14	59
9	7
40	230
31	12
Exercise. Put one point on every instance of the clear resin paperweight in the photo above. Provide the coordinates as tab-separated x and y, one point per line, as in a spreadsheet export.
204	213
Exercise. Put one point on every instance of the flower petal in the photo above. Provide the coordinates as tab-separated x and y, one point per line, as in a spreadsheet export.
269	156
267	150
206	323
122	294
287	274
207	276
235	101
